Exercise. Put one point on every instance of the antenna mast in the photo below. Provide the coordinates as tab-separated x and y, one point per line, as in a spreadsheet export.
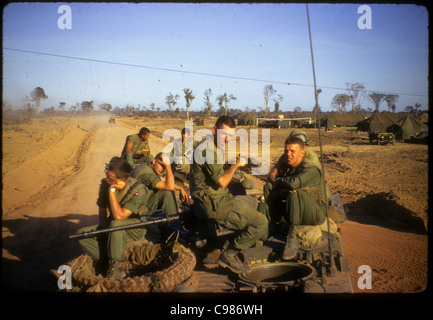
331	267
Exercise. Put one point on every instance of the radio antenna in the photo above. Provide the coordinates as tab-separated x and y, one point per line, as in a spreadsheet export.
331	267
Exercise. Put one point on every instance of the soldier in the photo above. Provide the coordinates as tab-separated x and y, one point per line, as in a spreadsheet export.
297	196
213	203
184	149
309	154
136	149
160	192
121	201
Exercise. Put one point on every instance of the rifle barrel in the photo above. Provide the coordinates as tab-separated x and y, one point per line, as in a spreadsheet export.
125	227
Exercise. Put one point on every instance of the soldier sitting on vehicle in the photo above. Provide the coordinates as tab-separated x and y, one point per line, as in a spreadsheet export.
309	154
136	149
297	196
213	203
160	193
183	152
121	202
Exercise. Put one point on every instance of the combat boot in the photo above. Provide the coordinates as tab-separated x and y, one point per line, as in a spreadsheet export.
115	271
291	247
229	259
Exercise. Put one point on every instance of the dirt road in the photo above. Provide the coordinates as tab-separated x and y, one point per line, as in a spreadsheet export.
35	229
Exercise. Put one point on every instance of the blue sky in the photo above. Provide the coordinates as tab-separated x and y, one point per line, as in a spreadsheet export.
229	48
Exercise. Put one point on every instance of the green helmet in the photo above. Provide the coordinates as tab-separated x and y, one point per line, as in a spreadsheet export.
300	134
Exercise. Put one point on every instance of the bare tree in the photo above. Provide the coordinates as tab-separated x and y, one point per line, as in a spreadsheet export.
62	106
225	99
339	102
188	98
268	92
207	95
105	107
37	95
377	99
356	93
87	106
390	100
170	100
277	101
417	106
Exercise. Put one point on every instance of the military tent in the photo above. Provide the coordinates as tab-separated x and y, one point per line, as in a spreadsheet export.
345	119
379	122
423	118
407	127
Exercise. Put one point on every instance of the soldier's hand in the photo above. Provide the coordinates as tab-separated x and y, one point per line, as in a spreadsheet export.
241	161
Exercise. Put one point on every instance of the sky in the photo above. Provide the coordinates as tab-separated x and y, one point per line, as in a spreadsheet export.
137	54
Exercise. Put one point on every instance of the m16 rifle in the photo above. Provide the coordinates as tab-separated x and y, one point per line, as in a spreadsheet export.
141	224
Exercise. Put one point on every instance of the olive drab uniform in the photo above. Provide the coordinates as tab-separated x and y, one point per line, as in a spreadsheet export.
215	204
112	247
306	206
156	199
138	146
182	154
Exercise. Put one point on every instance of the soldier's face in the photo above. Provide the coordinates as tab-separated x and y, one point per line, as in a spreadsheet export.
294	154
223	135
157	167
113	181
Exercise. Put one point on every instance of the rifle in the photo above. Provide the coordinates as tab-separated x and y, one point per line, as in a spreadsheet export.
127	226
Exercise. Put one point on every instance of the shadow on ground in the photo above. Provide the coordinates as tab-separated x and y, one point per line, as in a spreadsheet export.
381	210
37	245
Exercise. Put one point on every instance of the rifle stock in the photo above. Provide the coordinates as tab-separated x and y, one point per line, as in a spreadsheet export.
125	227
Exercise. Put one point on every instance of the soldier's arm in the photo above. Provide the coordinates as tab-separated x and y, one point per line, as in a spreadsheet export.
228	175
118	212
309	176
272	174
168	184
129	145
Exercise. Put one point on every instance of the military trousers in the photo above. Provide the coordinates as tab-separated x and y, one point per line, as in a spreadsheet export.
131	160
297	208
250	224
112	246
162	199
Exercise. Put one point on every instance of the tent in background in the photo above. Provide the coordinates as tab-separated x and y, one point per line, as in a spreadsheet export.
407	127
378	122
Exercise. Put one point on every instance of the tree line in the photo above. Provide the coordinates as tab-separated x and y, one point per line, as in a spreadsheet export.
356	93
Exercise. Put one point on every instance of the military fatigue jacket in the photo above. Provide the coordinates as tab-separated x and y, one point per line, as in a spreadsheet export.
137	144
146	175
131	197
306	176
212	200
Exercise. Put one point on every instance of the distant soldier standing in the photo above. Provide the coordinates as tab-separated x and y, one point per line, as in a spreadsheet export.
136	149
